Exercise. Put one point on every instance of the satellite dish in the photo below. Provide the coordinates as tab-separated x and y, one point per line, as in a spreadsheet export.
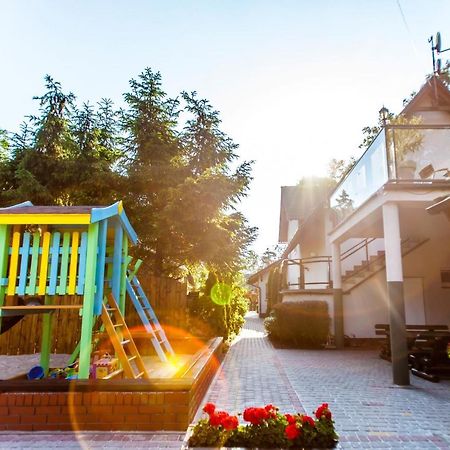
438	65
438	42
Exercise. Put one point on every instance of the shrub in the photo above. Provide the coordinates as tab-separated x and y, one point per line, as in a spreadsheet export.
216	319
303	324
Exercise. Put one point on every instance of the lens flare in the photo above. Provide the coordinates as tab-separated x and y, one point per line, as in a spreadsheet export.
90	409
221	294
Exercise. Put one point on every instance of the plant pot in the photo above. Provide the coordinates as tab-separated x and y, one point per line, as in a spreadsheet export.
406	170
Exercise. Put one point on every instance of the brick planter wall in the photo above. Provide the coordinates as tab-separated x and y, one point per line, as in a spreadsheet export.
113	405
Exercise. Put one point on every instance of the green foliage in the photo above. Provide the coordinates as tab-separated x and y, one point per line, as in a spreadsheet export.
182	191
338	168
4	144
444	75
204	435
181	181
62	156
270	432
221	320
303	324
274	284
371	132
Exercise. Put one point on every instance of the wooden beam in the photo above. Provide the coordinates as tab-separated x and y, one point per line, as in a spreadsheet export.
54	219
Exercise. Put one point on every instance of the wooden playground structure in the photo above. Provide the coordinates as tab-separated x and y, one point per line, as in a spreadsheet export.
49	252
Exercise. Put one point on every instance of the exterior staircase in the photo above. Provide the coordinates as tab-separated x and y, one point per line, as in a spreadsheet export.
374	264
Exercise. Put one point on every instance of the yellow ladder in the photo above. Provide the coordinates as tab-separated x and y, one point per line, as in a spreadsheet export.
122	341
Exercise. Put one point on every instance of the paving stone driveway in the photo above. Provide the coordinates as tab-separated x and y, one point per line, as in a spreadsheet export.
370	412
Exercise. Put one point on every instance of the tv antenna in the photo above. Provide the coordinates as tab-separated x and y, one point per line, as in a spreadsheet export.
436	50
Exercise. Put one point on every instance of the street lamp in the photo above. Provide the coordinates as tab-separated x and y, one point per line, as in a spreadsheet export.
384	114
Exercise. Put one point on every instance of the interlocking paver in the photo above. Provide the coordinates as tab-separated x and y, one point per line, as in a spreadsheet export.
370	412
91	440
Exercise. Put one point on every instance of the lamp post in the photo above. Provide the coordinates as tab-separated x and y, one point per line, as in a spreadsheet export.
384	115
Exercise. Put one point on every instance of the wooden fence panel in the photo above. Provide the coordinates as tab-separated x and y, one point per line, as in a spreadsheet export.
167	296
25	337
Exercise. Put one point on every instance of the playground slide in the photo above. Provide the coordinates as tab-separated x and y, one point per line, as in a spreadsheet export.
8	322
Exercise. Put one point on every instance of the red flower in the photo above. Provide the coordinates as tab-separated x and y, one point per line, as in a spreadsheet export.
255	415
215	420
218	418
209	408
271	411
291	431
308	420
230	423
290	418
248	414
323	412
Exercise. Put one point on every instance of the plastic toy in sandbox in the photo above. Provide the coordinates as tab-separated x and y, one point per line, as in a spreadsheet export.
50	252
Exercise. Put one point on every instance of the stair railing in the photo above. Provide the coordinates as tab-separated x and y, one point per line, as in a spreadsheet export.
377	258
364	244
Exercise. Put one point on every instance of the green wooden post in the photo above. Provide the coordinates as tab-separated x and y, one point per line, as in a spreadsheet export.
4	246
123	285
88	302
46	336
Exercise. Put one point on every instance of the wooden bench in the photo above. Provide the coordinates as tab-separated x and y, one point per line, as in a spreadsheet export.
412	331
430	357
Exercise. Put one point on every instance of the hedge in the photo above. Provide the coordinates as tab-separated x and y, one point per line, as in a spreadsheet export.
302	324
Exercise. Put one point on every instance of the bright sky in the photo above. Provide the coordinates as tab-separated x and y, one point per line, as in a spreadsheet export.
295	80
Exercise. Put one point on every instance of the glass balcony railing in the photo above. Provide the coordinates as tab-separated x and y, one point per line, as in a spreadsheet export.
400	153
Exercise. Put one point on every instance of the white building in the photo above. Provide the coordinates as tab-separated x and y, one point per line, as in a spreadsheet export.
371	249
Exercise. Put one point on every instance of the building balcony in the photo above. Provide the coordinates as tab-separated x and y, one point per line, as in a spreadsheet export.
407	156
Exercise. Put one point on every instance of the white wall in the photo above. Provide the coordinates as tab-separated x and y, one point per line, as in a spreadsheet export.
314	243
359	256
262	284
292	228
293	270
367	304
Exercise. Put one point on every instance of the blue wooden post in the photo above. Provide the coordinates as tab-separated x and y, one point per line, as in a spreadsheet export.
100	273
123	286
117	261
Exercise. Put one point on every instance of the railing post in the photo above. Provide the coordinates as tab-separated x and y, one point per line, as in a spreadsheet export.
330	281
302	275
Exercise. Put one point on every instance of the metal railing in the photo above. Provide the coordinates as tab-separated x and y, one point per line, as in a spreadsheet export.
305	282
400	154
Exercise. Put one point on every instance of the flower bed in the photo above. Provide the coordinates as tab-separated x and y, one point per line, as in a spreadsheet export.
267	428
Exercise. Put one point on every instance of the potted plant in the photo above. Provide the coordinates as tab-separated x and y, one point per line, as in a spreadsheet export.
266	428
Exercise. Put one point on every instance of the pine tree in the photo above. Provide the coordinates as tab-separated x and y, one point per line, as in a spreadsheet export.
63	156
181	190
